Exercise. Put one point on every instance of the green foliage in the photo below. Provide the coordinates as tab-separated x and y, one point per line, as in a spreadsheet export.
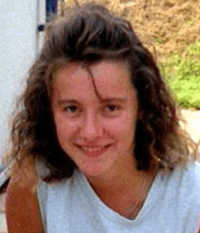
189	22
157	40
183	75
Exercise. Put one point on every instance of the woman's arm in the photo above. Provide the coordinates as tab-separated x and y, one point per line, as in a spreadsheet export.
22	207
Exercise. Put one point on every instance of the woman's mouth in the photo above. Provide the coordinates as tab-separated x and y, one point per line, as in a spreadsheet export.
94	151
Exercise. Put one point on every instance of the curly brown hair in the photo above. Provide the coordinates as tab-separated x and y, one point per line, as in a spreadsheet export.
90	34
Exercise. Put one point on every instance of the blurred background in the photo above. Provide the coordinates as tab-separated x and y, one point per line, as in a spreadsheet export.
21	36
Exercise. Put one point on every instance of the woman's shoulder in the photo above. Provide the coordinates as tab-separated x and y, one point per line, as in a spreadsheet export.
185	179
56	189
56	195
190	177
177	197
181	188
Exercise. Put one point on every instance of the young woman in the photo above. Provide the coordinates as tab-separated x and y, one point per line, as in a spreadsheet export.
97	142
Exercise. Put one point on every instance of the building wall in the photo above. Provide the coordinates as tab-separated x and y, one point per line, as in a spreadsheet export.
18	43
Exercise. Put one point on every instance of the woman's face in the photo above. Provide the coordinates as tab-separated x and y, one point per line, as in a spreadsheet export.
96	128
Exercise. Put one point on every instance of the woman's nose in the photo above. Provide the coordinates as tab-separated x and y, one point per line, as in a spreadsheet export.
91	128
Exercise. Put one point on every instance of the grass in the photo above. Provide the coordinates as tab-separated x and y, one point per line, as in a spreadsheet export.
183	75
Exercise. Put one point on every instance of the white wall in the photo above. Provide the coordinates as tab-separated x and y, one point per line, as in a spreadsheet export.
18	25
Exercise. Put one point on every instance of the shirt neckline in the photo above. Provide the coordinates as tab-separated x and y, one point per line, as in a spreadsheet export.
107	212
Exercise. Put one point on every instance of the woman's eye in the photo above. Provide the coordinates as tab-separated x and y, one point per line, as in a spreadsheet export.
71	109
111	108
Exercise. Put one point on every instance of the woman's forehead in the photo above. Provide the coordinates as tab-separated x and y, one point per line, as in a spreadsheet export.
105	78
106	72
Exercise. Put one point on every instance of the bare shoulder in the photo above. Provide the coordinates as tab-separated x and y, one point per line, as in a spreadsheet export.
22	208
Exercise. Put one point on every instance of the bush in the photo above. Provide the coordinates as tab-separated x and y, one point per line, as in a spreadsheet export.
183	76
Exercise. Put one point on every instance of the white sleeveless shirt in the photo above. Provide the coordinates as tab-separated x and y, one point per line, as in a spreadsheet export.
172	206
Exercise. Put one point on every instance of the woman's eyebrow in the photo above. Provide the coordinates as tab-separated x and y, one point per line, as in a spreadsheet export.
115	99
106	100
66	101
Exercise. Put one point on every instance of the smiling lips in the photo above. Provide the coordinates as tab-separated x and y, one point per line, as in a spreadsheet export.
94	151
